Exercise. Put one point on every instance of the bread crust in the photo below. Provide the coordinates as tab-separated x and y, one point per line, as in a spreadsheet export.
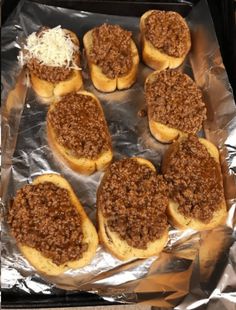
100	80
153	57
82	165
48	90
45	265
119	247
175	217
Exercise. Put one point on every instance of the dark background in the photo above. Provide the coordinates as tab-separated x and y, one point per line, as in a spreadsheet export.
223	14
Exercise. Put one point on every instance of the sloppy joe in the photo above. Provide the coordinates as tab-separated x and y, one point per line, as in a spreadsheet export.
194	180
134	201
111	50
80	126
174	100
167	32
51	54
43	217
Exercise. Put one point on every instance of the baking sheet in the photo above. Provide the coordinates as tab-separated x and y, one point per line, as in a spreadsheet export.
195	268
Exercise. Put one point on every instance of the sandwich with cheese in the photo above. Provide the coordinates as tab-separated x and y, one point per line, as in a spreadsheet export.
52	58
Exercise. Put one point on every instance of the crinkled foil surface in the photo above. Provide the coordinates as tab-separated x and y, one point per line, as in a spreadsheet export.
195	269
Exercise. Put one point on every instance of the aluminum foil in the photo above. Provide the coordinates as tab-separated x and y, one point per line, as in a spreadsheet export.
195	269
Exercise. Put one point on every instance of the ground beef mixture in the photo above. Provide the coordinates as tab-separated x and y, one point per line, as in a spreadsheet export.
111	50
134	200
80	126
194	181
174	100
167	32
42	217
49	73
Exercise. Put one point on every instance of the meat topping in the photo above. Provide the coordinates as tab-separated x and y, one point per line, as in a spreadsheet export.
134	199
51	73
43	217
174	100
167	32
194	180
111	50
79	125
48	73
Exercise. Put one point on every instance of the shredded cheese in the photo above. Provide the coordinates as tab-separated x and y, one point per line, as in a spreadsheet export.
52	48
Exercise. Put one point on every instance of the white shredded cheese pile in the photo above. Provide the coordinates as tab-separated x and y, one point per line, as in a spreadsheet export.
52	48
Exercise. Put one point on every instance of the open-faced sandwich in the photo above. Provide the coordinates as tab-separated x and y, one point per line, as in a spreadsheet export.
112	57
51	227
175	105
165	38
52	58
192	170
77	132
131	202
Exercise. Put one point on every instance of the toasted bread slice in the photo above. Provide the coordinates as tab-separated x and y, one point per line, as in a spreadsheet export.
155	58
180	221
119	247
82	165
160	131
100	80
163	133
48	90
44	264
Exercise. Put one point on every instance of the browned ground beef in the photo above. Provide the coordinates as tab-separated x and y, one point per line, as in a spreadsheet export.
43	217
194	180
134	199
167	32
80	126
111	50
174	100
50	73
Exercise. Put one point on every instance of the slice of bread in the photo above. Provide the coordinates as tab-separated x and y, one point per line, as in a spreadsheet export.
155	58
175	217
160	131
82	165
45	265
99	79
119	247
48	90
